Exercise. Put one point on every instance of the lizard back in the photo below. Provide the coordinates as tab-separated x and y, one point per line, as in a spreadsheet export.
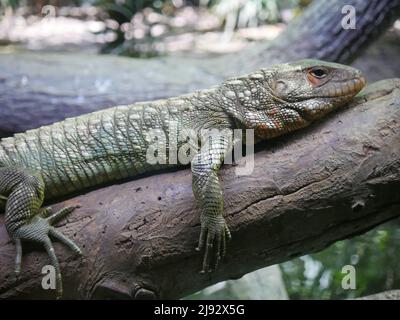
96	148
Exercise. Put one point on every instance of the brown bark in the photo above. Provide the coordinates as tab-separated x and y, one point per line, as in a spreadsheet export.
334	180
385	295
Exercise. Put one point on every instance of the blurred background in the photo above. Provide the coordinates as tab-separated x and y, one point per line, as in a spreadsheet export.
202	28
143	28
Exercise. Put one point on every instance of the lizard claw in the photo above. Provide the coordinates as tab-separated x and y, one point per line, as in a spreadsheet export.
213	237
39	230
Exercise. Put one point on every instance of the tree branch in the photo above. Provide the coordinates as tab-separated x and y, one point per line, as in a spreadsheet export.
385	295
334	180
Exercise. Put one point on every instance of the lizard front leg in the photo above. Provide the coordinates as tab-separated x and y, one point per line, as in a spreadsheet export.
26	221
209	197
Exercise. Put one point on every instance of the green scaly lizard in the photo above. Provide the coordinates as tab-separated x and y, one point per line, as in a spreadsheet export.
106	146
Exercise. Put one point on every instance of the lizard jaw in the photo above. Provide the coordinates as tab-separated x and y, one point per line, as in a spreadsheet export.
344	89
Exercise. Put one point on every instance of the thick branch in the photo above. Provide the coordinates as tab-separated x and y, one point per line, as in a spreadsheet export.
334	180
38	89
385	295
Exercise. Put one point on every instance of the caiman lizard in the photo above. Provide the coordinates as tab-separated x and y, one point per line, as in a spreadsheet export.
106	146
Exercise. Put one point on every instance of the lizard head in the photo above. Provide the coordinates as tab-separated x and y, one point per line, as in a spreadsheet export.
313	88
290	96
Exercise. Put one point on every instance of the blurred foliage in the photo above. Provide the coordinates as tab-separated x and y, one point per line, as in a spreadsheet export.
262	284
319	276
250	13
233	14
123	12
36	5
9	3
374	256
121	15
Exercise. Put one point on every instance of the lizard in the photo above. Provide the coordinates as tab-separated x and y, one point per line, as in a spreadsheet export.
109	145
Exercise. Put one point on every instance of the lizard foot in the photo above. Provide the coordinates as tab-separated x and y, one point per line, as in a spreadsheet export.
213	236
38	230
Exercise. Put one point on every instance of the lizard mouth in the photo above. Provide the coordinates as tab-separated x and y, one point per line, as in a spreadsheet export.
339	91
343	89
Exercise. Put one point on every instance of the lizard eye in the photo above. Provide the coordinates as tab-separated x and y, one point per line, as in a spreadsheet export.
318	73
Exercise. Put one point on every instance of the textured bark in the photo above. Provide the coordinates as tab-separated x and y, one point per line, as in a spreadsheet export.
386	295
38	89
334	180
